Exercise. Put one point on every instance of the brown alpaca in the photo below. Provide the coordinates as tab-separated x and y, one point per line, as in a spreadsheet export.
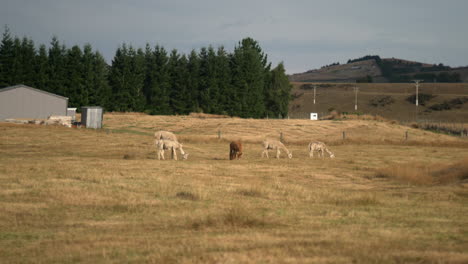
235	150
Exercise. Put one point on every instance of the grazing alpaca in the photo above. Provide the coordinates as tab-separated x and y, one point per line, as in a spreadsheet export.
320	147
163	144
235	150
165	135
274	144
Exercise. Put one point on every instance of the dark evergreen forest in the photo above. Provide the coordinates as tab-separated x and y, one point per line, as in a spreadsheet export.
152	80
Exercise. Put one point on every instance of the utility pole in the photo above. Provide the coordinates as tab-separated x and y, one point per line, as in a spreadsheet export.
315	87
356	89
417	89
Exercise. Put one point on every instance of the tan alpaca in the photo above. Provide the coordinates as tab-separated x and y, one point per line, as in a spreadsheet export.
320	147
163	144
165	135
275	145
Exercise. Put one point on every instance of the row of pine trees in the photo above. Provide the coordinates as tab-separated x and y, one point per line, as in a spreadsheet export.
153	80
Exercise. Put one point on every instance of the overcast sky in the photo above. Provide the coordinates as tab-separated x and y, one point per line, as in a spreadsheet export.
303	34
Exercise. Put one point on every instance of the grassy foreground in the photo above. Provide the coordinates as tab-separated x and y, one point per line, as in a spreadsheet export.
78	195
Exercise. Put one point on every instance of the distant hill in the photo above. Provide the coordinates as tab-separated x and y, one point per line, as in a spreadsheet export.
375	69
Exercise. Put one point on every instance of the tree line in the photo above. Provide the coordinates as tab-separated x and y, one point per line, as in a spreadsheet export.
152	80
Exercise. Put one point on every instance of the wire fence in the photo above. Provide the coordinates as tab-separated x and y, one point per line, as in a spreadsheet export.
450	128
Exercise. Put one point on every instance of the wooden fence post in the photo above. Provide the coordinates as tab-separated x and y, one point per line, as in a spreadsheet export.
344	135
406	135
219	133
281	136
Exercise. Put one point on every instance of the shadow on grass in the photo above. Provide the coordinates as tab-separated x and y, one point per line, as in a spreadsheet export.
235	217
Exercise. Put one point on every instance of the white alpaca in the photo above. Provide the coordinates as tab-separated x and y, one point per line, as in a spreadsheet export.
320	147
276	145
163	144
165	135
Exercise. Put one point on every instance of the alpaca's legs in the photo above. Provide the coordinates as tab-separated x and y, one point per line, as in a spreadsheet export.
278	152
174	153
265	153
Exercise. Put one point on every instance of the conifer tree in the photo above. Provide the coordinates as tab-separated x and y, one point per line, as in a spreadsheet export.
160	83
26	61
87	62
248	69
208	84
6	59
148	81
126	79
17	66
74	87
193	68
100	85
40	68
178	71
213	82
120	70
56	68
226	95
279	91
137	79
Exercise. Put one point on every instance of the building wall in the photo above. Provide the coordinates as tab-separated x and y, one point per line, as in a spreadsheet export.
22	102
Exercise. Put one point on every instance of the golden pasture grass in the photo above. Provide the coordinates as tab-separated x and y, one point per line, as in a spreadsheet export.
427	173
72	195
297	132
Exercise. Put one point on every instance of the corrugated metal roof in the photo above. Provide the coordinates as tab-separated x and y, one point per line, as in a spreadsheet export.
34	89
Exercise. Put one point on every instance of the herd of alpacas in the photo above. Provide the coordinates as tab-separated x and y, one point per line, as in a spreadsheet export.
165	140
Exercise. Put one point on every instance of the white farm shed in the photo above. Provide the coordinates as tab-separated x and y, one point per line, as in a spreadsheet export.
21	101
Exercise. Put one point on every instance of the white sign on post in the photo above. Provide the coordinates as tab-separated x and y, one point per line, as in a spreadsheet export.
313	116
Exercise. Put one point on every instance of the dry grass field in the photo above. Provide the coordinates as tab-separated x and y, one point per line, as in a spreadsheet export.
80	195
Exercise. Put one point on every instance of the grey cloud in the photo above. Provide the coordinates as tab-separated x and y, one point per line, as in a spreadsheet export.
303	34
